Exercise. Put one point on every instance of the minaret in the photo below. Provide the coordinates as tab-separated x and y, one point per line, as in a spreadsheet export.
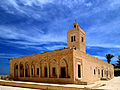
76	38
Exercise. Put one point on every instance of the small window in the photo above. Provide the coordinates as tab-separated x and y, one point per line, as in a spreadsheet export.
32	71
94	72
53	70
82	39
71	38
37	71
74	38
16	66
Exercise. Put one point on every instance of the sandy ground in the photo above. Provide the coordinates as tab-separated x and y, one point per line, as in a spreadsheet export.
113	84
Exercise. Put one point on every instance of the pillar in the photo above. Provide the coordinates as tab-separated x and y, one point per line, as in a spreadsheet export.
30	71
58	70
39	71
48	70
24	70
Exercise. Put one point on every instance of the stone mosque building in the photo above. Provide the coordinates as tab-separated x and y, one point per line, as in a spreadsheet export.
68	65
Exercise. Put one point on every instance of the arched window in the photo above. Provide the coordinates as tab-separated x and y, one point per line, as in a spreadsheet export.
73	38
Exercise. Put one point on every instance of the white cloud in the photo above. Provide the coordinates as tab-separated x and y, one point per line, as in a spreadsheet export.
113	4
104	45
100	57
28	37
34	36
88	4
104	35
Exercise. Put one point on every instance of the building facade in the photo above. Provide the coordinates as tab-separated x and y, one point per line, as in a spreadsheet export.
69	65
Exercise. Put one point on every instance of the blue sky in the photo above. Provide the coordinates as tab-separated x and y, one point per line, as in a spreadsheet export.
34	26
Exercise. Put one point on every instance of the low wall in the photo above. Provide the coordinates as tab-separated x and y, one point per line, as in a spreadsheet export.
46	80
40	86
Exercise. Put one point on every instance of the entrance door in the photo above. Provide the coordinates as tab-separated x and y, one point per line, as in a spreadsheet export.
26	73
63	73
45	71
21	71
16	71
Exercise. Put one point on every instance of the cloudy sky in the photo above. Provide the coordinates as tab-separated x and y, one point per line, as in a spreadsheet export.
34	26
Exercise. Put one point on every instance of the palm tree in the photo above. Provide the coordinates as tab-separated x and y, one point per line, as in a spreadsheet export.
118	62
108	57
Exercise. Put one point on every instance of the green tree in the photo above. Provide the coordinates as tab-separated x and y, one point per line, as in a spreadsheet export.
118	62
108	57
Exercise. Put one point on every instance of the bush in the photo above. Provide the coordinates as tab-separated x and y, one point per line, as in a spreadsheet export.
116	72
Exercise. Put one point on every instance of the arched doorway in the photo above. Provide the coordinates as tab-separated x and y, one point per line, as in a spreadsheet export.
63	69
27	70
33	69
53	68
15	70
44	68
21	70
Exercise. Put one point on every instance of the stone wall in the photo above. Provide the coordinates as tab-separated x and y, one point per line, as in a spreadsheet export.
91	67
25	68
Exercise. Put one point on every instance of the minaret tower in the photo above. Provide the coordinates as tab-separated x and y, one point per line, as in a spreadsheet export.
76	38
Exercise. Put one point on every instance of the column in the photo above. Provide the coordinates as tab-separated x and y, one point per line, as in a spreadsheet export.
48	70
39	72
24	70
58	70
34	71
30	71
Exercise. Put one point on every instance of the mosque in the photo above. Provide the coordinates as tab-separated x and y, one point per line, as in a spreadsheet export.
68	65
